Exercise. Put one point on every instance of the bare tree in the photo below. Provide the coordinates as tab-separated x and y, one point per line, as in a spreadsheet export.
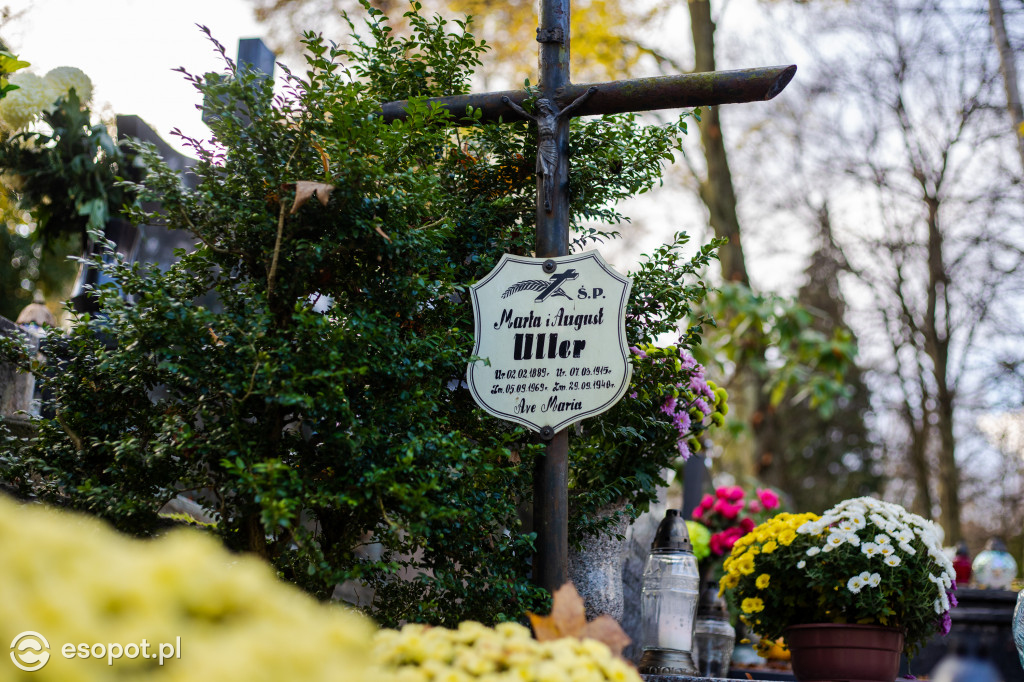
912	147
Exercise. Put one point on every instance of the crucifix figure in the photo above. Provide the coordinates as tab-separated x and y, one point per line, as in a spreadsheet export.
546	119
551	498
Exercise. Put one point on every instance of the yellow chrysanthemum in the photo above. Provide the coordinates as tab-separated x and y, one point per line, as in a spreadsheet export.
744	565
769	547
762	581
787	537
182	586
752	605
728	582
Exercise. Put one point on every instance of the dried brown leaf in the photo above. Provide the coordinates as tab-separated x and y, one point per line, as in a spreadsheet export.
605	629
568	619
305	190
324	158
568	616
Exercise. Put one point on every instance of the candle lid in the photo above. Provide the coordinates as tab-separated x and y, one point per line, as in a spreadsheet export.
672	533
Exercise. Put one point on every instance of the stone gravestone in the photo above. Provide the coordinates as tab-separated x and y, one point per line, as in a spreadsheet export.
16	388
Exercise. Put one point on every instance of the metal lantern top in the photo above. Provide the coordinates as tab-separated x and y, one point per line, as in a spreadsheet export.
672	535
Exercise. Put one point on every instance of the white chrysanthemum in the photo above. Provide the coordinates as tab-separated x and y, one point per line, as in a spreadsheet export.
834	540
882	539
874	580
853	539
908	548
63	79
20	107
878	520
886	550
892	560
855	584
869	548
801	563
813	551
904	535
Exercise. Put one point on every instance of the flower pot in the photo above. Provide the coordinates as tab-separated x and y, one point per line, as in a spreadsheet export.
836	652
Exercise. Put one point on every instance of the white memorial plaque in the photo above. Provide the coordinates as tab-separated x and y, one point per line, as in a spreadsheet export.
555	340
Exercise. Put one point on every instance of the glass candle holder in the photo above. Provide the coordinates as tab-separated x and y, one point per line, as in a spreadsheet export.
713	637
668	602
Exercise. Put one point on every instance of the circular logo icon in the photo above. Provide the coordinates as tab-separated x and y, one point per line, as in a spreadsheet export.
29	651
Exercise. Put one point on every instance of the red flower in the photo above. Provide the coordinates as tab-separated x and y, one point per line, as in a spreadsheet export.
731	493
727	509
768	498
747	524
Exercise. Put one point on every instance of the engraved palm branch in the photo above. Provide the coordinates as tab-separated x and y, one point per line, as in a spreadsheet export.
533	285
526	285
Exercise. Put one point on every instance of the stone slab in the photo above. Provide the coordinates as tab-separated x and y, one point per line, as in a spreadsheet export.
685	678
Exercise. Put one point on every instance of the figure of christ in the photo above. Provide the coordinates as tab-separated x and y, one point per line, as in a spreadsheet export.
546	118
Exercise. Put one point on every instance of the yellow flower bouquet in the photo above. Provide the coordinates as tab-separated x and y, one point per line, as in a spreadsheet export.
862	562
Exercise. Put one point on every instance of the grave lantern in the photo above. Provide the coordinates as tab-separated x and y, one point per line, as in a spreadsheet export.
668	603
713	637
994	568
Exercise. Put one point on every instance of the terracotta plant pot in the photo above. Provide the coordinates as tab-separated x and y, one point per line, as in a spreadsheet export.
834	652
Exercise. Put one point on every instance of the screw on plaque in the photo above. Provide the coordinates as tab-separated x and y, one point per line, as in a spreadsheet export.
549	266
547	433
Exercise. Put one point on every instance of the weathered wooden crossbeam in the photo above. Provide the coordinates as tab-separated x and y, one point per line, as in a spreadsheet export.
638	94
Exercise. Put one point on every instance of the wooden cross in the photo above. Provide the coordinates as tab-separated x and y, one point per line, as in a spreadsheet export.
561	99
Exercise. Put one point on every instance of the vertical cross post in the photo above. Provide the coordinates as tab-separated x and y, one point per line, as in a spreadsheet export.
551	476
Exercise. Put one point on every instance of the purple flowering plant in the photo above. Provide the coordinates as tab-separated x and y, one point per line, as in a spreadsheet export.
671	403
673	382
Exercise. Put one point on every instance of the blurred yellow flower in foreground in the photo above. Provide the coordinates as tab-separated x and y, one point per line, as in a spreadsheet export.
74	581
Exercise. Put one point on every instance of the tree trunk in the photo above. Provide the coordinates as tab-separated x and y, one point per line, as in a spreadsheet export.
747	397
937	332
919	457
1008	67
716	190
